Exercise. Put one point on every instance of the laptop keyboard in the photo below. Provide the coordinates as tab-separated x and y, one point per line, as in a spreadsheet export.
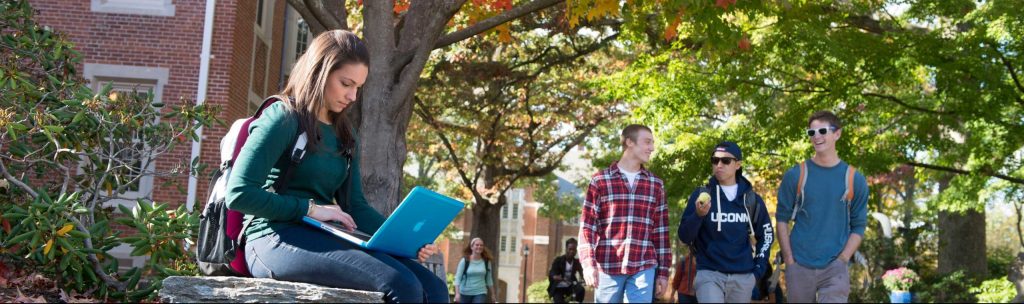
356	233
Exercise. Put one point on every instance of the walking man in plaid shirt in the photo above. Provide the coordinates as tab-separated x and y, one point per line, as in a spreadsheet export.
624	244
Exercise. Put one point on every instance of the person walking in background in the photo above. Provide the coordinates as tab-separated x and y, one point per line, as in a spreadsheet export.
624	245
682	278
732	244
562	279
474	281
825	200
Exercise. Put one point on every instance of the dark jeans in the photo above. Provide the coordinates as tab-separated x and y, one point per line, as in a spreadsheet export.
480	298
559	294
302	254
683	298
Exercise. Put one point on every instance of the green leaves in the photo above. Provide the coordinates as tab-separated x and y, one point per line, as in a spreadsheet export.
76	151
933	85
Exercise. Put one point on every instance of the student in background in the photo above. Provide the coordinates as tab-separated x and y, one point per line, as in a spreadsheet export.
474	281
562	279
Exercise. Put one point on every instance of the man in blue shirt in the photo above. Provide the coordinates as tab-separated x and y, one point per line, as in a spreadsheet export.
828	220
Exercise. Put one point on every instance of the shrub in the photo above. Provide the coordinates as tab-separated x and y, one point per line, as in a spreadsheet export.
946	288
68	152
998	290
999	260
538	293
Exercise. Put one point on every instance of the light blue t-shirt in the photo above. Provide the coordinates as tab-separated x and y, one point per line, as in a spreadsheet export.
476	278
824	224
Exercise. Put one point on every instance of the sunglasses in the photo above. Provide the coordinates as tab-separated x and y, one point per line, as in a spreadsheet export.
821	131
723	160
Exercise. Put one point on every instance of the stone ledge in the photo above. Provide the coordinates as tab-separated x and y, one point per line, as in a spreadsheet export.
180	289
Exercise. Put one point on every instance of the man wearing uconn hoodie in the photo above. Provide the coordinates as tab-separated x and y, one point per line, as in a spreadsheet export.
720	231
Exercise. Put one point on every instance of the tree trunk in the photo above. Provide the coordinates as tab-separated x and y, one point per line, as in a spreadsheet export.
962	241
383	153
487	226
398	56
909	235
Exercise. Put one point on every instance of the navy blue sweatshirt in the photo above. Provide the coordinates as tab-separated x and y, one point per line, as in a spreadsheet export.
721	238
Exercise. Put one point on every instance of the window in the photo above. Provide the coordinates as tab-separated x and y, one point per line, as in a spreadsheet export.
515	211
263	24
134	7
127	79
502	245
512	245
259	13
301	38
504	211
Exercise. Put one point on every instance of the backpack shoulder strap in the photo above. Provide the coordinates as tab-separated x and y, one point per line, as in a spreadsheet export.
297	153
341	195
465	268
851	171
801	182
753	208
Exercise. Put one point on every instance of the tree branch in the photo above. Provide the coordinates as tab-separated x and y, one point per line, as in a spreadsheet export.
494	21
96	266
580	53
904	104
315	27
1015	180
423	114
1013	74
1020	217
17	182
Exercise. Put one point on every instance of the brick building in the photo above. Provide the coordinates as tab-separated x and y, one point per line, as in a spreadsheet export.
521	227
160	45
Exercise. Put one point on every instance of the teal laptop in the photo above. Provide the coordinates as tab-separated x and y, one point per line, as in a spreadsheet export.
419	220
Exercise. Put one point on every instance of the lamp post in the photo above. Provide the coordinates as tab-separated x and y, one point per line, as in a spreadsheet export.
526	261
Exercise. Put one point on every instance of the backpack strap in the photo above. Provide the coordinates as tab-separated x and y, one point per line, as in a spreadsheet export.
465	269
801	183
341	195
753	210
850	173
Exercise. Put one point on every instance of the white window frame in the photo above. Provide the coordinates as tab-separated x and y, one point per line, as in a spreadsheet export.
515	211
163	8
503	244
264	31
97	74
292	42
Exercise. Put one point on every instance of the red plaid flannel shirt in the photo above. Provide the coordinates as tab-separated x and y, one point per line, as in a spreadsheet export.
623	231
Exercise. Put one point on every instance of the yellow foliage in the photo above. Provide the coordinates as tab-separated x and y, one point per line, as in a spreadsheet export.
47	247
64	230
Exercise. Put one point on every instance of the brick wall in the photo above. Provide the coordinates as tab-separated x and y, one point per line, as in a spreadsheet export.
175	43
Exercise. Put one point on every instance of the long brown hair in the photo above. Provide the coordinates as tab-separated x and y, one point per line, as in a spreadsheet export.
468	251
328	52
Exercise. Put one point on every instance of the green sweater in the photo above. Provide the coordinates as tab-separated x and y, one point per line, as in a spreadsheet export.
260	162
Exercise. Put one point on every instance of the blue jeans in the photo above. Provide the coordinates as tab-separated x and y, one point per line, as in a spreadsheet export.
636	288
303	254
480	298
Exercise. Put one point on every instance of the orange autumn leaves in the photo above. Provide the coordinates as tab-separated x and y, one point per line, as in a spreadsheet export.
672	30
